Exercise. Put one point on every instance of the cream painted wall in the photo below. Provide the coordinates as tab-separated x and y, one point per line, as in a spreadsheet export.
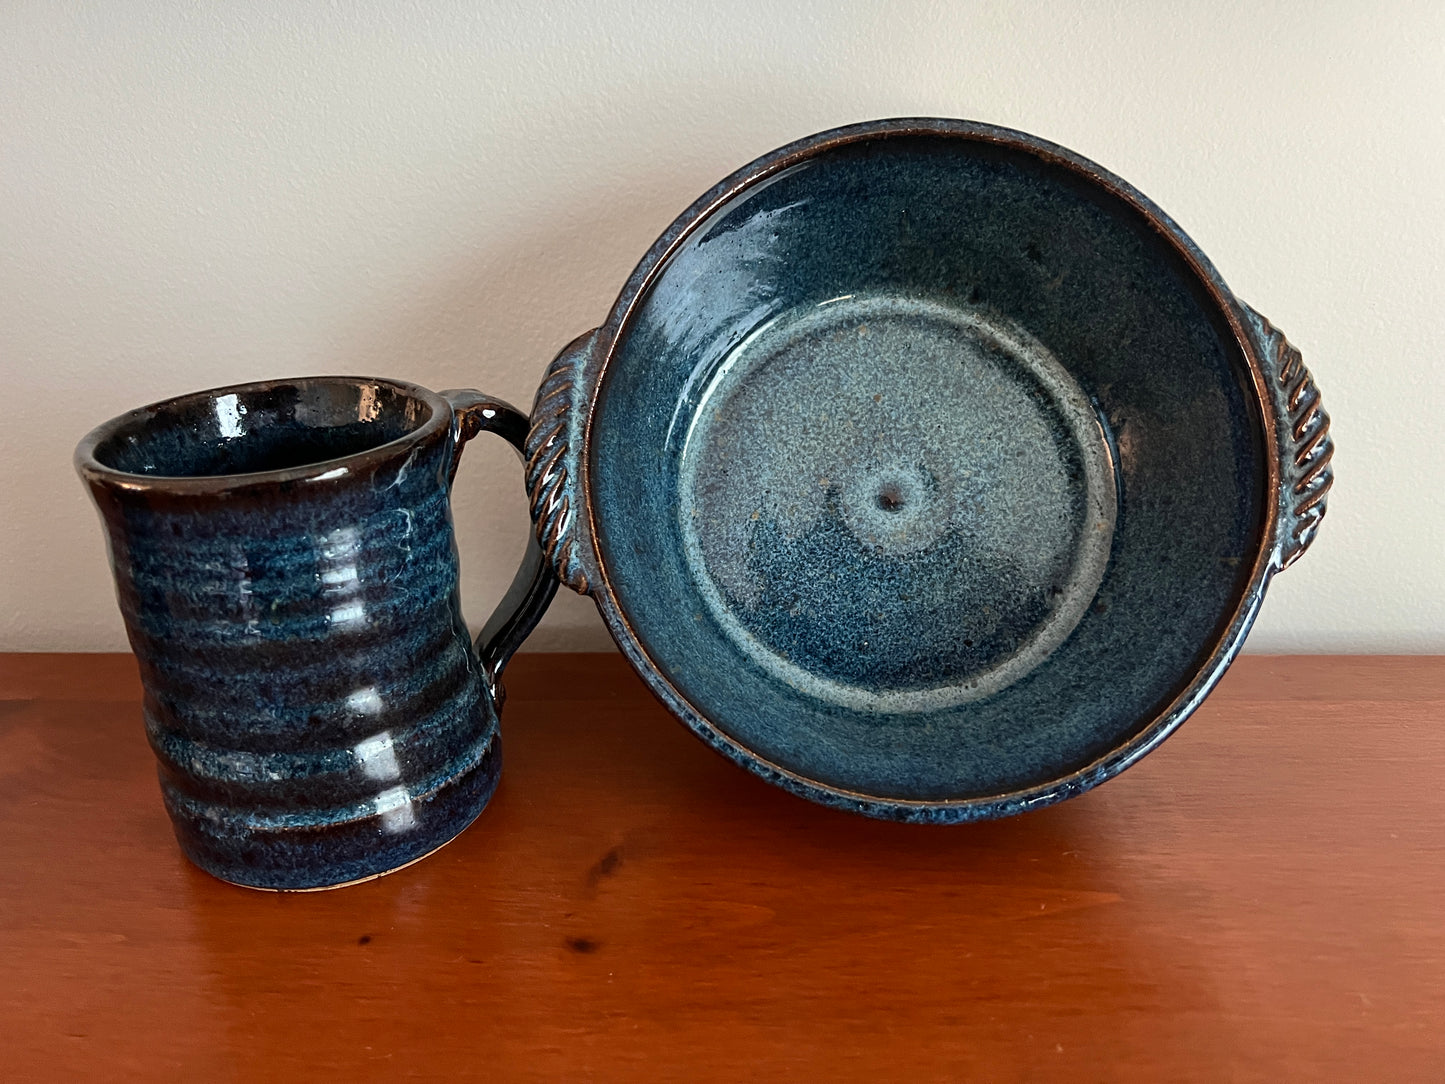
199	194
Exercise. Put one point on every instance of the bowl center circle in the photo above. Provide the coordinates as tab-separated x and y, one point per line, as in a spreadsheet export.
896	504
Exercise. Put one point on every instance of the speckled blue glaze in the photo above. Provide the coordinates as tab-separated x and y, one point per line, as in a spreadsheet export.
286	567
927	470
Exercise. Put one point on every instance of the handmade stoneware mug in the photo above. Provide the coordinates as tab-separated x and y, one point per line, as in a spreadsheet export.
286	567
928	470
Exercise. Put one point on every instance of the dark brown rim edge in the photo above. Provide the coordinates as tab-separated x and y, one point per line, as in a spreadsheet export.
93	470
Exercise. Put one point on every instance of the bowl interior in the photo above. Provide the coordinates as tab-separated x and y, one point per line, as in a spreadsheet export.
927	469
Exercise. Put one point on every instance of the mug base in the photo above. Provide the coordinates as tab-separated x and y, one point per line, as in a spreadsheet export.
318	857
359	880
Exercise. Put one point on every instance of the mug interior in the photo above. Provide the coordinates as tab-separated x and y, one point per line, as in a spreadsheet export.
249	429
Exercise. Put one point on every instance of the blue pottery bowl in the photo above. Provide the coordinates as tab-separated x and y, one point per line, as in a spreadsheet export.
927	470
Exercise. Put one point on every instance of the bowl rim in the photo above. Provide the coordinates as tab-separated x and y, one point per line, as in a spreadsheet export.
1227	642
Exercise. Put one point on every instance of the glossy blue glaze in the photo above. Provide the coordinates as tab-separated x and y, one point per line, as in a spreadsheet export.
925	469
286	568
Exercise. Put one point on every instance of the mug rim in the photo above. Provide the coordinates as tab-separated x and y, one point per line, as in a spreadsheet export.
94	471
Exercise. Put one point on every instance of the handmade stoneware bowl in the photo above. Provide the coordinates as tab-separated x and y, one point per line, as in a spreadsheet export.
285	564
927	470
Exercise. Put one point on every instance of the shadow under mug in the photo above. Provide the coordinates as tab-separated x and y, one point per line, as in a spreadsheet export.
285	563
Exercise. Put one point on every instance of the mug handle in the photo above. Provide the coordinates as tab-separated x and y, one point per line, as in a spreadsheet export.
532	589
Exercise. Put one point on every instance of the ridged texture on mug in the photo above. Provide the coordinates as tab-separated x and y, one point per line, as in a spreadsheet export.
312	696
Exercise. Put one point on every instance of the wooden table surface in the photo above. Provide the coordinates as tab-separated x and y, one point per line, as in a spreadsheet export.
1263	898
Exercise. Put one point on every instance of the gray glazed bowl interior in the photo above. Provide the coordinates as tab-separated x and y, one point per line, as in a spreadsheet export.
872	678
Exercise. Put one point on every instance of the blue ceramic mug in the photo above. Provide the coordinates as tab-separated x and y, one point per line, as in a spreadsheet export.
286	567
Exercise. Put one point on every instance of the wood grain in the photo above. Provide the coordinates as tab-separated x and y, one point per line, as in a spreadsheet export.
1261	899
